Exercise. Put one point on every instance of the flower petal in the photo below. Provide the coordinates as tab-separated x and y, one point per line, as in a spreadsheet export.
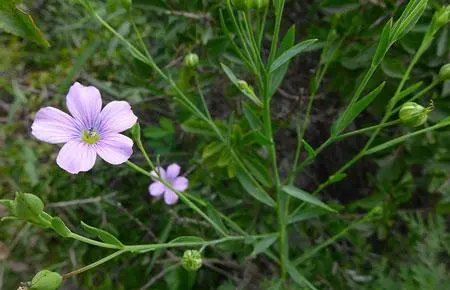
54	126
161	171
76	156
156	188
116	117
84	104
173	171
170	197
180	183
114	148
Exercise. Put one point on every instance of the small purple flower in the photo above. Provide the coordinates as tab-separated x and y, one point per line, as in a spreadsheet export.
88	132
171	176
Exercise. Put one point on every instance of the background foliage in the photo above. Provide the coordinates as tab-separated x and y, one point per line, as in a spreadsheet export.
406	248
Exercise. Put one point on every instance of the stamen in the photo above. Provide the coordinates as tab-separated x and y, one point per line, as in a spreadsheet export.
90	136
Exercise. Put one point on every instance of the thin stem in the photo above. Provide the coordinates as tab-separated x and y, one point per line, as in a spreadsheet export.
367	129
421	93
278	16
138	168
92	242
93	265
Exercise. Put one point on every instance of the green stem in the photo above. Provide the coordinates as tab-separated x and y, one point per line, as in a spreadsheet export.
278	16
92	242
93	265
367	129
138	168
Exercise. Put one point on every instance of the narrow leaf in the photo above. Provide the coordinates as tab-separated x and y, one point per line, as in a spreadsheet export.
306	214
277	76
60	228
214	215
187	239
398	140
298	278
253	190
263	245
306	197
309	149
354	110
235	81
290	53
383	44
102	235
16	21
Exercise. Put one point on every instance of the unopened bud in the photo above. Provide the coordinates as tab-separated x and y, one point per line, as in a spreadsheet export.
444	72
46	280
191	60
413	114
192	260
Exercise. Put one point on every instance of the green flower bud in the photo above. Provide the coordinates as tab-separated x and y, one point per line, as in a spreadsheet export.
413	114
191	60
46	280
192	260
444	72
443	16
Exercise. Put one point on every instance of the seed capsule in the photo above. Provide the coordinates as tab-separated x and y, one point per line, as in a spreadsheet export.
413	114
191	60
444	72
192	260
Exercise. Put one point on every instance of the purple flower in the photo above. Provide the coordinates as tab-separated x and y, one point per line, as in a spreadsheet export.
170	176
88	132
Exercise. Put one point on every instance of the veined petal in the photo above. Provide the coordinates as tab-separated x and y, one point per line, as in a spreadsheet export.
116	117
54	126
114	148
170	197
76	156
173	171
156	188
180	183
84	104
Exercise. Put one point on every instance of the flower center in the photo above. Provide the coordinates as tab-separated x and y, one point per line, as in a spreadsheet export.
90	136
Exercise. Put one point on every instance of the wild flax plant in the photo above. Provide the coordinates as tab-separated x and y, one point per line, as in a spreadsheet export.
90	131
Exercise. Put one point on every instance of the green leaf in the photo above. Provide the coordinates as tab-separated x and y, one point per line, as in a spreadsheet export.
263	245
291	53
212	149
336	178
354	110
277	76
235	81
16	21
252	189
196	126
255	137
398	140
309	149
384	43
60	228
46	280
187	239
298	278
307	214
306	197
258	169
214	215
408	19
252	117
102	235
406	92
393	68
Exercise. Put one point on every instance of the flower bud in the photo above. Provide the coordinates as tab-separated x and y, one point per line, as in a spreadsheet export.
192	260
46	280
444	72
191	60
413	114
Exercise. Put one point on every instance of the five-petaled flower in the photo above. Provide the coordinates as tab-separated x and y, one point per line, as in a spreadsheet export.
88	132
170	176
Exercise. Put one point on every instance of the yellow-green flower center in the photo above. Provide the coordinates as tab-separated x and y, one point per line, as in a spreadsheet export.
90	136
